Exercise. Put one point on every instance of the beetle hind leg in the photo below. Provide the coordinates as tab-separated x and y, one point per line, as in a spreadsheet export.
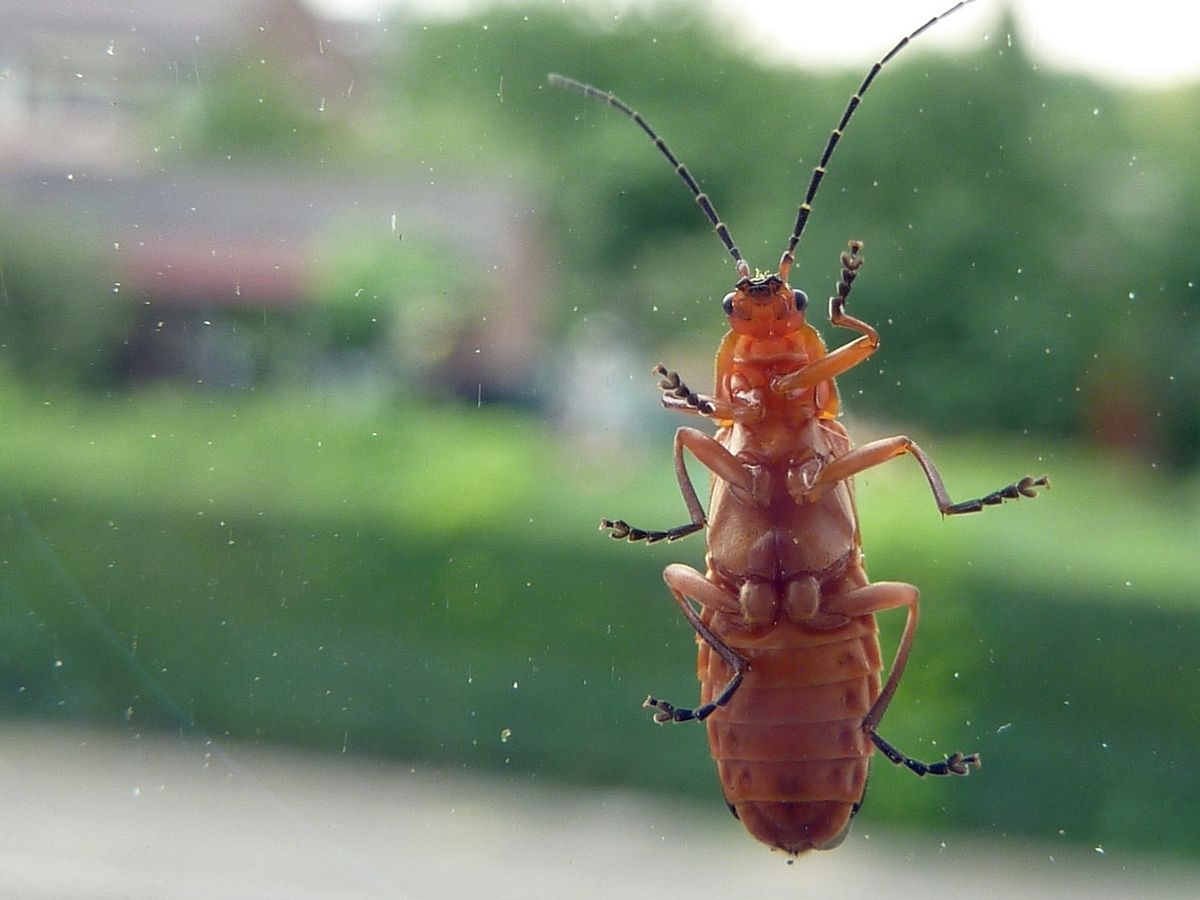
685	582
875	598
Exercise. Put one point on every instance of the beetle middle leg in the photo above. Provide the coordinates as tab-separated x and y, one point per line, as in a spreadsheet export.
713	456
877	452
685	582
879	597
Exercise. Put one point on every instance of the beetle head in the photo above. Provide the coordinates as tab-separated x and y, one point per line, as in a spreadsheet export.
765	307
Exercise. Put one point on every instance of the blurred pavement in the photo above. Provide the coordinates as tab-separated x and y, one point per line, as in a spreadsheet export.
88	815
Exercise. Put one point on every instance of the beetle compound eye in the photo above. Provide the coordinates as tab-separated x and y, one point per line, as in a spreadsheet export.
727	304
801	299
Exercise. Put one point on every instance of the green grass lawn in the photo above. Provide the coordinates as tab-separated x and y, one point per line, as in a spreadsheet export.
428	583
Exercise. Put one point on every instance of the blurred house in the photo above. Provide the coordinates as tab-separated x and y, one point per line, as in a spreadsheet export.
76	75
200	253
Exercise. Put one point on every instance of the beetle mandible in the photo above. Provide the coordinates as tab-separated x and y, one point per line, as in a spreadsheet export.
789	659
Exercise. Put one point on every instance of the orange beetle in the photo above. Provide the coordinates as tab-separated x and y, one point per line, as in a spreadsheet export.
789	659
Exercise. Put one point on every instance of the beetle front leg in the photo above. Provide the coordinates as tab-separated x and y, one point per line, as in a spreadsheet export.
878	597
685	582
712	456
677	395
845	357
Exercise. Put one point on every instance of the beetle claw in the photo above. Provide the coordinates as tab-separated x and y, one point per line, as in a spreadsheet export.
960	764
663	711
1025	487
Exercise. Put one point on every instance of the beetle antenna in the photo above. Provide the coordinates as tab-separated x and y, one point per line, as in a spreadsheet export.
785	264
705	204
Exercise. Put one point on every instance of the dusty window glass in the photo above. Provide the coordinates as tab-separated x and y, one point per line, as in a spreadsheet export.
326	340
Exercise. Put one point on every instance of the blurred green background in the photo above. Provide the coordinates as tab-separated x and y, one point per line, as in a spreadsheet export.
316	380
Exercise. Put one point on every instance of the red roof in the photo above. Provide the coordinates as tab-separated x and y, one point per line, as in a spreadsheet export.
201	271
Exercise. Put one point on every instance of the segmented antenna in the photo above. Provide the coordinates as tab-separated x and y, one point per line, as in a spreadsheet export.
789	257
785	264
701	198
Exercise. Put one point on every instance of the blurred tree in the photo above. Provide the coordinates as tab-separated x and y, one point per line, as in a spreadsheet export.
1022	228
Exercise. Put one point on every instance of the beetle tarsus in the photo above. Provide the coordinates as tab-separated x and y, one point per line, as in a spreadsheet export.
955	764
623	531
673	386
851	263
1015	491
669	712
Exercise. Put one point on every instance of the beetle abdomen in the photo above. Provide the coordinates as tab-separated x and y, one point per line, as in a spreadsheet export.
790	747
